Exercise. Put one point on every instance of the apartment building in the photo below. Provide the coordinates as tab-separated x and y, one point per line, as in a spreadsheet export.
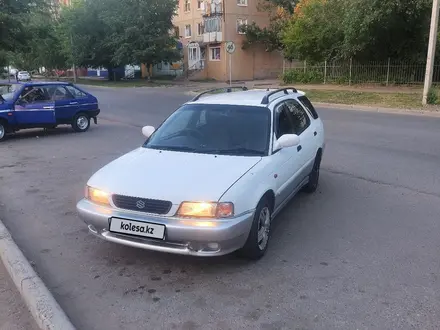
204	26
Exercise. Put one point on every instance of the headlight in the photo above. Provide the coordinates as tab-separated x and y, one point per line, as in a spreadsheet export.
97	196
205	210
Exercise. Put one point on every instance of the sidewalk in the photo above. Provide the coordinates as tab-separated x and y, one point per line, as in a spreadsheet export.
13	313
273	83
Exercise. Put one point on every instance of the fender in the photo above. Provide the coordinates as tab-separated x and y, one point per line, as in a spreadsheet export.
6	112
249	189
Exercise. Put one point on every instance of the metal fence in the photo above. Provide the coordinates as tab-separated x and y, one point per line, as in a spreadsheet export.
351	72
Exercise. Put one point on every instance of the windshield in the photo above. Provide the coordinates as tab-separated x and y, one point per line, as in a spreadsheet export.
215	129
8	91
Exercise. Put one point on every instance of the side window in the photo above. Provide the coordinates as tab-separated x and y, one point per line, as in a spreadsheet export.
283	120
301	120
76	93
35	94
59	93
309	106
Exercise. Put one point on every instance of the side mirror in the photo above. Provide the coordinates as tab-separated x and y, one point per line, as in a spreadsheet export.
287	141
147	131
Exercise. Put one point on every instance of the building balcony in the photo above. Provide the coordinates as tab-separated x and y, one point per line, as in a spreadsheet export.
212	9
198	38
211	37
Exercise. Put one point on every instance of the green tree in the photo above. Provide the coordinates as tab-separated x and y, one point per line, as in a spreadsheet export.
378	29
87	32
363	30
112	33
44	47
270	36
315	33
143	32
14	16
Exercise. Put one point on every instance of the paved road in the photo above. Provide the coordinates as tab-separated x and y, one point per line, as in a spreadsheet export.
362	253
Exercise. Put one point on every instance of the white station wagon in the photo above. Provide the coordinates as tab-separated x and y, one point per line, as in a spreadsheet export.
212	177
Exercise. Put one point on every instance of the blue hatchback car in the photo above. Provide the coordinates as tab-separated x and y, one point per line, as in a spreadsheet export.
45	105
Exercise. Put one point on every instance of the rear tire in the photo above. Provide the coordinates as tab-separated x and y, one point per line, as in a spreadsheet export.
259	235
312	185
3	130
81	122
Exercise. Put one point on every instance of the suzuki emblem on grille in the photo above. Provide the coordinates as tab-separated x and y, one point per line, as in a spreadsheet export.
140	204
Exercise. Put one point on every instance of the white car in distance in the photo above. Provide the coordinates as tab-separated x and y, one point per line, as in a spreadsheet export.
212	177
23	76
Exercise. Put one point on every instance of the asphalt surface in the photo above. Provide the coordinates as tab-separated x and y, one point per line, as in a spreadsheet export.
361	253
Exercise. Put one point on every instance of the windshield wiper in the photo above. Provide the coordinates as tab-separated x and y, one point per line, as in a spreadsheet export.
235	151
171	148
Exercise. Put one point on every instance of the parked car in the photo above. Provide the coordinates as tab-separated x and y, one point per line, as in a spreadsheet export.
23	76
45	105
212	177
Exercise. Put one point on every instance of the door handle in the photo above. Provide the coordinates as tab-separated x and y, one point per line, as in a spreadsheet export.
315	133
73	103
299	148
48	108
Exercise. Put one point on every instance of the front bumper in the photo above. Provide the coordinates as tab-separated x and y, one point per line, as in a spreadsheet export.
182	236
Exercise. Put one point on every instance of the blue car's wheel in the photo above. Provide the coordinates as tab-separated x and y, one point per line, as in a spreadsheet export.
81	122
2	131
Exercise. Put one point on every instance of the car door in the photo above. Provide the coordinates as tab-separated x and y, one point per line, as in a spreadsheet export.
84	101
285	161
305	130
34	107
65	104
316	123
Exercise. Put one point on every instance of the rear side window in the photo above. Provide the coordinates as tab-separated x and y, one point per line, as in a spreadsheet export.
308	105
76	93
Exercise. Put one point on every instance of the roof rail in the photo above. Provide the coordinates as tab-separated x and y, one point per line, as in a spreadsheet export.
265	99
225	89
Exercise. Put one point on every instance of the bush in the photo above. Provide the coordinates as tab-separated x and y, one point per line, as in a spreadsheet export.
432	96
299	76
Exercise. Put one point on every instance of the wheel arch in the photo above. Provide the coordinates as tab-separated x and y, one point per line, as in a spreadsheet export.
5	123
319	152
270	196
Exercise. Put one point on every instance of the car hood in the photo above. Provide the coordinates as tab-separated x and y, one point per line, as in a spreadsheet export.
172	176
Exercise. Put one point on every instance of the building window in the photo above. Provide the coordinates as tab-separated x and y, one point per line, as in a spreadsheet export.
176	32
213	24
240	23
193	54
242	3
187	5
199	29
200	5
188	31
214	54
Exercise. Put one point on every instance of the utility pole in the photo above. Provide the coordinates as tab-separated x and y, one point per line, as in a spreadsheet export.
73	57
431	51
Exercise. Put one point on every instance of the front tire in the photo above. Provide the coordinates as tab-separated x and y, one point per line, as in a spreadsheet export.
258	239
81	123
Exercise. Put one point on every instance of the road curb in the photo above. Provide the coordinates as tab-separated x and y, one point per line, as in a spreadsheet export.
356	107
45	310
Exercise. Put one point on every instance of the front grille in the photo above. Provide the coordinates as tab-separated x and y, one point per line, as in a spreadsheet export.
142	204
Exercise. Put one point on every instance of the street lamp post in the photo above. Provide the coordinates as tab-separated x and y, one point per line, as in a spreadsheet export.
431	51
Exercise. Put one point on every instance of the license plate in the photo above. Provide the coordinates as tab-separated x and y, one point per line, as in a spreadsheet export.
137	228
